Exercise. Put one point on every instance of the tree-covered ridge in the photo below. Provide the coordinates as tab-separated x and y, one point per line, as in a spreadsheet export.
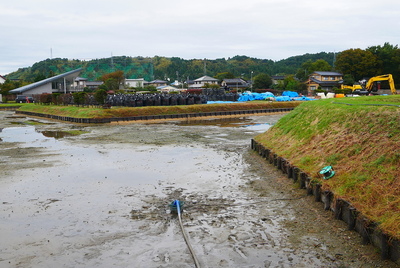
173	68
355	64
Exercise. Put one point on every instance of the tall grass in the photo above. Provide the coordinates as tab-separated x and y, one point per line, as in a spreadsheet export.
362	143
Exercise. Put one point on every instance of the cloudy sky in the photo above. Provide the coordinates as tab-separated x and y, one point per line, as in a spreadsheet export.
32	31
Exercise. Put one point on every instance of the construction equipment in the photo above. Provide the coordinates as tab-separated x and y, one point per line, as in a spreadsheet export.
373	85
352	88
386	77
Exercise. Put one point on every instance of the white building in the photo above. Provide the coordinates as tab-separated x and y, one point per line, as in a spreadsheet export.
135	83
62	83
202	81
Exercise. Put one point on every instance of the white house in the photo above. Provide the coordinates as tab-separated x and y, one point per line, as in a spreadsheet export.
62	83
135	83
202	81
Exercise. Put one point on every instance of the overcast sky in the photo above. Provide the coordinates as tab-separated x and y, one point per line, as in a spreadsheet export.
32	31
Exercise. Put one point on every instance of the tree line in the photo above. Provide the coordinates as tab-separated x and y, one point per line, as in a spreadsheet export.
355	64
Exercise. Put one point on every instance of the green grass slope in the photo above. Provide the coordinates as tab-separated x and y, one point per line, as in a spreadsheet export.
360	138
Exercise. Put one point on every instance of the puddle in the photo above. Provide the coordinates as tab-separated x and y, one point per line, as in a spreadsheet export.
27	136
58	134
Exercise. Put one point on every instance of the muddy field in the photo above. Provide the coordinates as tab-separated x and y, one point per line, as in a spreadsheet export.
99	195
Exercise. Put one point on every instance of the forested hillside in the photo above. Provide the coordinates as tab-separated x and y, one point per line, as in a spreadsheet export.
174	68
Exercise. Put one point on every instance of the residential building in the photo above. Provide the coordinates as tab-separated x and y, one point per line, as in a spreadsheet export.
202	81
135	83
157	83
234	83
276	79
80	83
324	80
167	89
93	85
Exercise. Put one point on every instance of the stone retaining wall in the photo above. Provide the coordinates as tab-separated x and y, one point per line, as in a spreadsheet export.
343	210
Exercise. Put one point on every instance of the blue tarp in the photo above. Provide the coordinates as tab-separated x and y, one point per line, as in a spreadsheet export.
283	98
286	96
291	94
255	96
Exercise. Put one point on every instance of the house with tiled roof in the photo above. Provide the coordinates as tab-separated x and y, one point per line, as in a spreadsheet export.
202	81
234	83
156	83
81	83
62	83
324	80
276	79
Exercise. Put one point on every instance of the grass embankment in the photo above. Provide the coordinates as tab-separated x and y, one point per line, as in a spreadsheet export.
361	142
95	112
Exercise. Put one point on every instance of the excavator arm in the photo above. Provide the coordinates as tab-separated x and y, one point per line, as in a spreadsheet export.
385	77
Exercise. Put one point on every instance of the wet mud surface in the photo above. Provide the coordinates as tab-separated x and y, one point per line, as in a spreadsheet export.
100	199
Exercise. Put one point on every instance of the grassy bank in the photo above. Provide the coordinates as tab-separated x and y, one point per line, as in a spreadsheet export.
95	112
360	138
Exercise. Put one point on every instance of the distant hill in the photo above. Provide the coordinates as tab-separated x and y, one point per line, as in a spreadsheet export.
174	68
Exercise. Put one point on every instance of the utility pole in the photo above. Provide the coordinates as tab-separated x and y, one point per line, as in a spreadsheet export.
251	81
112	62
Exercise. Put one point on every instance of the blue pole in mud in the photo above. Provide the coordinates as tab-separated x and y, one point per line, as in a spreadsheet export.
178	206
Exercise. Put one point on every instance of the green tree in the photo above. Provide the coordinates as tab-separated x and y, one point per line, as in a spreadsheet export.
9	85
388	58
309	67
113	80
290	83
39	77
348	79
262	81
224	75
111	84
215	86
79	97
357	62
100	96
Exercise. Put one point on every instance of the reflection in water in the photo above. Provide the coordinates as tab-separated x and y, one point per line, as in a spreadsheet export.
57	134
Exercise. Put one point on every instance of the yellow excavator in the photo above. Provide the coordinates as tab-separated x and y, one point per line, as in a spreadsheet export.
371	88
352	88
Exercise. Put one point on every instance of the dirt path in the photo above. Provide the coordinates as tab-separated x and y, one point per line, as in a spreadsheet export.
101	199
